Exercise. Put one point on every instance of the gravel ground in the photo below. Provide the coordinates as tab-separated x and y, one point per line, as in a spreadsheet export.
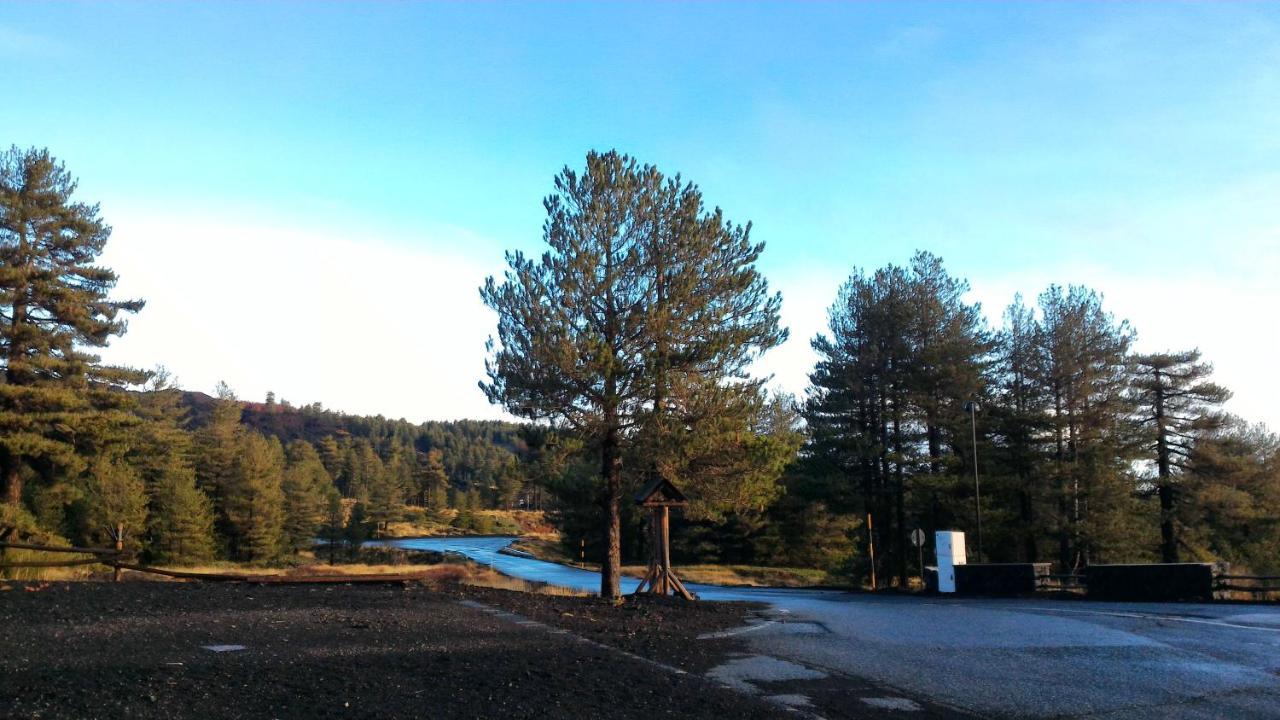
662	629
103	650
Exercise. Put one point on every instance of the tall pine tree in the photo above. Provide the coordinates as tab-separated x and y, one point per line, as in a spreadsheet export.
54	308
1092	439
307	487
640	285
1176	402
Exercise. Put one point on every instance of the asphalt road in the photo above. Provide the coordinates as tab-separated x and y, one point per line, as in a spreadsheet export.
1006	658
1044	658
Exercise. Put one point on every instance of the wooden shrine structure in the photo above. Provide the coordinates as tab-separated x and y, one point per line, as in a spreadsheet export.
659	496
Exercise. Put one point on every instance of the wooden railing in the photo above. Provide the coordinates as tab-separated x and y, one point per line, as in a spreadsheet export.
121	560
1262	585
101	556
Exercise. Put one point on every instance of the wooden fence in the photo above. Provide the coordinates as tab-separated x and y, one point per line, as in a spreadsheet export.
121	560
1260	587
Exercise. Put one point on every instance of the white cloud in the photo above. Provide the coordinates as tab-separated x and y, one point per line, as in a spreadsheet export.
364	325
384	325
1229	318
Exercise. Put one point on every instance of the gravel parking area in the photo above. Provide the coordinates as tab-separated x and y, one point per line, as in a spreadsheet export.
142	650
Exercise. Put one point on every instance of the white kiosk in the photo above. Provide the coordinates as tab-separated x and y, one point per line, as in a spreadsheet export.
950	547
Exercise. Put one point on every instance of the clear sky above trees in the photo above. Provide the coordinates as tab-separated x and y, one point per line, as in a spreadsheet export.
357	165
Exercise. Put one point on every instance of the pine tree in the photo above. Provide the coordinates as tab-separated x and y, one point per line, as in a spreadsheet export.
382	505
331	455
903	355
1231	487
402	470
1092	442
639	286
1019	416
180	528
216	447
333	522
54	303
435	483
358	529
180	516
254	499
117	501
306	486
1175	403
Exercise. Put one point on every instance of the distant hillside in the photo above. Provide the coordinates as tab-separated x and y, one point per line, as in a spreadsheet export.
475	452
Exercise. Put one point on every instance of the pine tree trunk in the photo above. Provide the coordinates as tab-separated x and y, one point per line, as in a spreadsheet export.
611	568
899	498
10	464
12	481
1026	517
1168	537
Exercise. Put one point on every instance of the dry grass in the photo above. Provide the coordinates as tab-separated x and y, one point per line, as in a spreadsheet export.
423	527
478	576
544	548
78	572
751	575
305	570
424	523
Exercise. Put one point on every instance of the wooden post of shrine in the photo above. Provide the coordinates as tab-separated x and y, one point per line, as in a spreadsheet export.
658	497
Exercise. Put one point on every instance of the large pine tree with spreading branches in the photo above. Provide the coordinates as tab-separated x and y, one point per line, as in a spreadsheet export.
1176	404
55	308
641	291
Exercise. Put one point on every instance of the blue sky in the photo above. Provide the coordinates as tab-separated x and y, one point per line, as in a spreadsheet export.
360	167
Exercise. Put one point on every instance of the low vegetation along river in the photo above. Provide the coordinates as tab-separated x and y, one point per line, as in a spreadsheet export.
486	551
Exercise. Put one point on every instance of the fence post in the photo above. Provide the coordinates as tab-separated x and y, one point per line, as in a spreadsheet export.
115	566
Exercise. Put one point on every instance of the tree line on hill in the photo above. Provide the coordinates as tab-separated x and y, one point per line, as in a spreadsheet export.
628	343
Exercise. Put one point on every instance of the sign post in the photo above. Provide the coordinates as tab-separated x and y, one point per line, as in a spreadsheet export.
917	539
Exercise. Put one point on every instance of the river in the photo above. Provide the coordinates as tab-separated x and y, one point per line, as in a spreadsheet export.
485	550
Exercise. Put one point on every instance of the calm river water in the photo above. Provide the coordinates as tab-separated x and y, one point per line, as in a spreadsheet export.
484	550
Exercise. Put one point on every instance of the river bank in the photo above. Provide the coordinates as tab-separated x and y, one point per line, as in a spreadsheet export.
727	575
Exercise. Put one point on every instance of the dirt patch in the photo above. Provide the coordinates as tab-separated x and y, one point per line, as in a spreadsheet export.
141	650
662	629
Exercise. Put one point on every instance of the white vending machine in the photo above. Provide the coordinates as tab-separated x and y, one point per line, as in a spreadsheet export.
950	546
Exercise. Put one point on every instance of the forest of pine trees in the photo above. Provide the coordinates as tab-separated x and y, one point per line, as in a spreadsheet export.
1087	451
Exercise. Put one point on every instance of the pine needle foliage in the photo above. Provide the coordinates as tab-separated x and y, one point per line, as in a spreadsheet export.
641	290
55	307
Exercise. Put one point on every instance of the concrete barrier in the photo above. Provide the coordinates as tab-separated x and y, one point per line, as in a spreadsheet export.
1002	579
1151	582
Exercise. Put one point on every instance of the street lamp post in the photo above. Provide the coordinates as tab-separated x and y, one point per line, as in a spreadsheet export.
972	408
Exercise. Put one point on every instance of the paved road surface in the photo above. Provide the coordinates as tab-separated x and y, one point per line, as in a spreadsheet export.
1016	658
